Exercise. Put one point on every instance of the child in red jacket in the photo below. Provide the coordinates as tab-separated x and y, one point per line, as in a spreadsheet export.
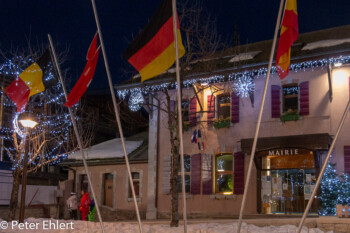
84	205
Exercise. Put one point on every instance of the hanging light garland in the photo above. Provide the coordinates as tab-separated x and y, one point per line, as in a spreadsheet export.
256	73
243	86
135	101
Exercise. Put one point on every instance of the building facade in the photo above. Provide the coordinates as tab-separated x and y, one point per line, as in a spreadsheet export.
300	117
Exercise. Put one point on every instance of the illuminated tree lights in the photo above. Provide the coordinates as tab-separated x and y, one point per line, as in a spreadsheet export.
329	191
55	123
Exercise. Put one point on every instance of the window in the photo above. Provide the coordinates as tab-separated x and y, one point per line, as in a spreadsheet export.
223	106
224	173
185	110
290	97
136	181
187	165
84	183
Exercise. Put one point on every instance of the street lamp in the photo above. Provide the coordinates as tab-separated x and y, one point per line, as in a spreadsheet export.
28	123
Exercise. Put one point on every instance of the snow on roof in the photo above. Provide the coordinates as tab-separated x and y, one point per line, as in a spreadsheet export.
325	43
109	149
244	56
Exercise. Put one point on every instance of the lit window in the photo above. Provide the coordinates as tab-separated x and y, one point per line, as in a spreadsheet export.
223	106
224	173
290	97
187	165
136	181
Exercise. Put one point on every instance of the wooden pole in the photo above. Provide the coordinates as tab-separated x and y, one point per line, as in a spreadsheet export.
246	187
77	136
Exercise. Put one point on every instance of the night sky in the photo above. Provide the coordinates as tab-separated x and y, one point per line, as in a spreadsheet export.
71	23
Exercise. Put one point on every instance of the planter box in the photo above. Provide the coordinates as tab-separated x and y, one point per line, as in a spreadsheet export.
222	124
290	117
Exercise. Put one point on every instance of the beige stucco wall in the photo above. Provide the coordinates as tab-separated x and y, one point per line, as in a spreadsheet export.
120	184
324	117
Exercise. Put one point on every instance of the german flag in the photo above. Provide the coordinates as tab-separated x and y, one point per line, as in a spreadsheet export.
29	82
153	50
289	34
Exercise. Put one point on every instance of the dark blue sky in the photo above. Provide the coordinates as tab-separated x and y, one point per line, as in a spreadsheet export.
72	23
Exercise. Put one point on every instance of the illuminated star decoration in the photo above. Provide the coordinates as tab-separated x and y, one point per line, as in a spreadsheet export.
243	86
135	101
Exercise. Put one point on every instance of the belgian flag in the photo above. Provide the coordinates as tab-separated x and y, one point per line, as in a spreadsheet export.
153	50
30	82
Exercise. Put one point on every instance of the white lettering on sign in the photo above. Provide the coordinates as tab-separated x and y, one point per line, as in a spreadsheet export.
283	152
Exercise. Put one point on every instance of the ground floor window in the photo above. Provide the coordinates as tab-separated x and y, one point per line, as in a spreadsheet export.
224	173
136	181
287	179
187	170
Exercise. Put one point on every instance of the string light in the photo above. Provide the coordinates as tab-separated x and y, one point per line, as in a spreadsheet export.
135	101
243	86
256	73
55	126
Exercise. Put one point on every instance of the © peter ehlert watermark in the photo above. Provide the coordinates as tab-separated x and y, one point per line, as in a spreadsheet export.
48	224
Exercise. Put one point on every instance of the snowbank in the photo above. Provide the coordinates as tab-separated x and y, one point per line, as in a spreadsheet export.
48	225
109	149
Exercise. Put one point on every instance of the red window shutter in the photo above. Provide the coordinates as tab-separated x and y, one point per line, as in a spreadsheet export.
211	108
166	174
304	98
238	173
196	174
207	174
193	112
275	101
347	159
234	108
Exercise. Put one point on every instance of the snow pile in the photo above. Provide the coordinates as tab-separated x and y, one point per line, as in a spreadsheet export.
62	226
244	56
325	43
109	149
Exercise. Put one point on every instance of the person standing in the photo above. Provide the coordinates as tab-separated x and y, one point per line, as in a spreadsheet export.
72	203
92	211
84	205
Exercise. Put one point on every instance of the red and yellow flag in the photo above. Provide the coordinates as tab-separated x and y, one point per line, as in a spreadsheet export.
87	75
153	51
29	82
289	34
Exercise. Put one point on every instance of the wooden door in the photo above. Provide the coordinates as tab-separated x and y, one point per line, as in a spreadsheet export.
108	191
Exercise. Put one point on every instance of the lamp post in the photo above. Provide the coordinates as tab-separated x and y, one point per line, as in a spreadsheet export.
28	124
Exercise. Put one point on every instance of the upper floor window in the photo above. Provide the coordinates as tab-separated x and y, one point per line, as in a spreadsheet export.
224	173
224	104
136	181
290	97
187	170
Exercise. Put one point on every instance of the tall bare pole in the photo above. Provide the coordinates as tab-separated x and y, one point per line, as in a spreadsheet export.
77	135
323	167
1	122
246	187
116	110
184	210
24	177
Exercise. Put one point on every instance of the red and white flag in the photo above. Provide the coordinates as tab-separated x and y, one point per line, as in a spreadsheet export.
87	75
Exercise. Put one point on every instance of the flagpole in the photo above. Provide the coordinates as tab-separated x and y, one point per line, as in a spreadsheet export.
323	167
184	209
259	118
77	135
116	113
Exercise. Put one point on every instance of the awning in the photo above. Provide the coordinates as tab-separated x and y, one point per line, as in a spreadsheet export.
307	141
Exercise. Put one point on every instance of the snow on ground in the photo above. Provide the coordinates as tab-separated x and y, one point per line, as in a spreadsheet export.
109	149
67	226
